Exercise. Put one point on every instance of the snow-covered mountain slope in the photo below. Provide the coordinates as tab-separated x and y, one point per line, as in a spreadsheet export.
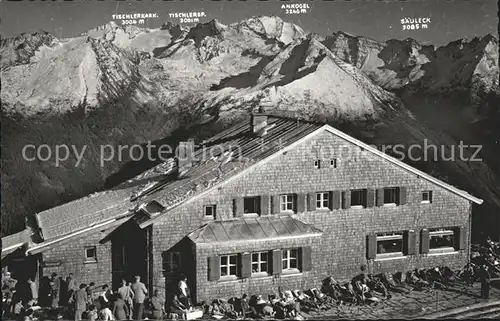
459	66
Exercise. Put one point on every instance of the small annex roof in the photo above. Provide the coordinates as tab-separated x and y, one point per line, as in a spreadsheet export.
253	229
15	241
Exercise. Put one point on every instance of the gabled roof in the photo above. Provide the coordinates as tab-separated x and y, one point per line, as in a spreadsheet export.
256	151
253	229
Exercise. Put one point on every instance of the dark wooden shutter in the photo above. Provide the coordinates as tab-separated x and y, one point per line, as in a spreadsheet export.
380	197
301	203
276	262
371	246
311	202
459	238
370	197
402	196
330	200
264	205
335	200
238	204
424	241
245	265
409	242
213	268
275	204
305	258
346	199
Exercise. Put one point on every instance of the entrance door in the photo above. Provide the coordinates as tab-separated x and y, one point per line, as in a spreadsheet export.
129	253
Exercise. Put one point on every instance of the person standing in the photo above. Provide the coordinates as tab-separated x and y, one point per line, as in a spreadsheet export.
485	278
33	291
120	310
71	283
140	292
55	284
127	294
184	293
157	306
81	299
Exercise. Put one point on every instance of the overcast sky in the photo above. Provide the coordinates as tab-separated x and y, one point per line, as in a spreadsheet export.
380	20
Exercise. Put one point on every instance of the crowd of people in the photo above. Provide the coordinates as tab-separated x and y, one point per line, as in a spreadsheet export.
86	302
130	300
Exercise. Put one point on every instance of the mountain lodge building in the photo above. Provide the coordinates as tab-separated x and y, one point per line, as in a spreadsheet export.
270	209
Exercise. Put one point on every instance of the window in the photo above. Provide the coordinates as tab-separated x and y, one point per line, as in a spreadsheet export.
251	205
389	243
317	164
333	163
209	211
259	262
290	259
172	262
427	197
441	239
228	265
391	195
91	254
322	200
287	203
358	197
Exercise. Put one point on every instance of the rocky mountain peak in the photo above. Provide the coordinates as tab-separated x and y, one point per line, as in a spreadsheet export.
20	49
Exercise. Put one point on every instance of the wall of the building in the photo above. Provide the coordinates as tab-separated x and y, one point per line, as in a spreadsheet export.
71	255
342	249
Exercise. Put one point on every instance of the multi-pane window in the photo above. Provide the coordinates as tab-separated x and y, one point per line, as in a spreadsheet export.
427	197
389	243
287	203
290	259
251	205
228	265
172	262
259	262
322	200
358	197
209	211
441	238
91	254
391	195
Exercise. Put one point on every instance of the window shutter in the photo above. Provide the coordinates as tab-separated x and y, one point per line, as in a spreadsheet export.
275	204
346	199
276	262
370	197
402	196
335	200
264	205
305	258
371	246
459	238
213	268
238	207
380	197
245	265
301	203
330	200
311	202
424	241
409	242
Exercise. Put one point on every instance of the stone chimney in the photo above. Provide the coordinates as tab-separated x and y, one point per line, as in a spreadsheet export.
185	154
259	124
